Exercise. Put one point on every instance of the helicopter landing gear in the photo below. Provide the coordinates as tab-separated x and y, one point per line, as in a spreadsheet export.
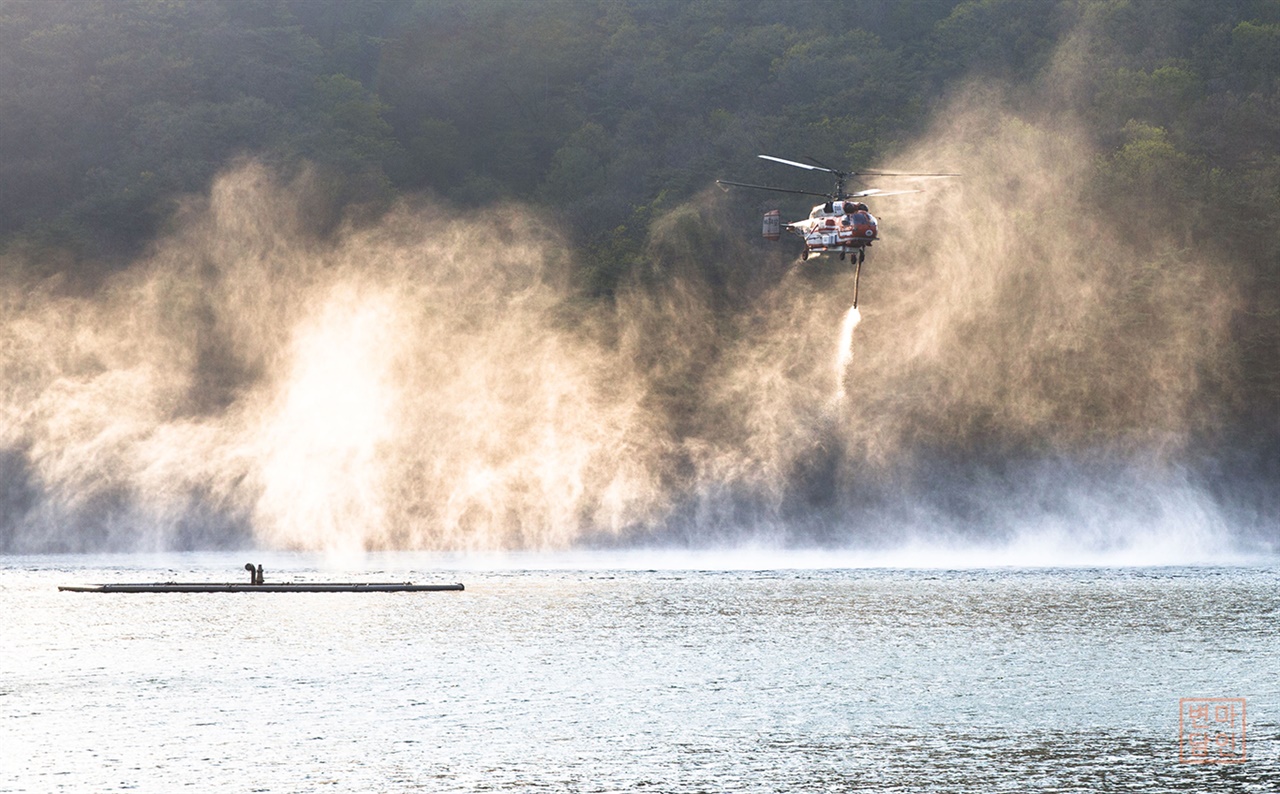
862	255
842	256
804	255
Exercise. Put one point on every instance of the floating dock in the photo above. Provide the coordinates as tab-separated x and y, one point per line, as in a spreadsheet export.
256	584
281	587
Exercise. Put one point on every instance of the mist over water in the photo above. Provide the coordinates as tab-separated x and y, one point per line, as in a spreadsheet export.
1023	381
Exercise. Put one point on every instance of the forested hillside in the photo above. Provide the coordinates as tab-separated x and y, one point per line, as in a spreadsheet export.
608	122
111	108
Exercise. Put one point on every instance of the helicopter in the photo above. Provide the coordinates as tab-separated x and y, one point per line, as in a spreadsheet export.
841	225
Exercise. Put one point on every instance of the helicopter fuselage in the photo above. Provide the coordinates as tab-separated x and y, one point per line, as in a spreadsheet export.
840	227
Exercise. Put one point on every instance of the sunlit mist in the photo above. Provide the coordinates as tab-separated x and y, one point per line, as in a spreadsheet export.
322	446
432	381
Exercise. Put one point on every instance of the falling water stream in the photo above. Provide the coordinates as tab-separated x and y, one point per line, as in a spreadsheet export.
844	349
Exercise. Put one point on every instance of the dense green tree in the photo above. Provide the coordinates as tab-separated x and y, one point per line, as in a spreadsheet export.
112	109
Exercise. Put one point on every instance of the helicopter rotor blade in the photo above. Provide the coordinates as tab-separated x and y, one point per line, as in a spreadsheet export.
898	173
818	166
805	166
823	165
774	189
878	193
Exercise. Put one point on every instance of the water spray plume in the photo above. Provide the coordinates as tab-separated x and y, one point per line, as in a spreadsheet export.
395	387
321	445
844	349
389	389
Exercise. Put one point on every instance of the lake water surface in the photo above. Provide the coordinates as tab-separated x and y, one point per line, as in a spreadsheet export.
617	672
